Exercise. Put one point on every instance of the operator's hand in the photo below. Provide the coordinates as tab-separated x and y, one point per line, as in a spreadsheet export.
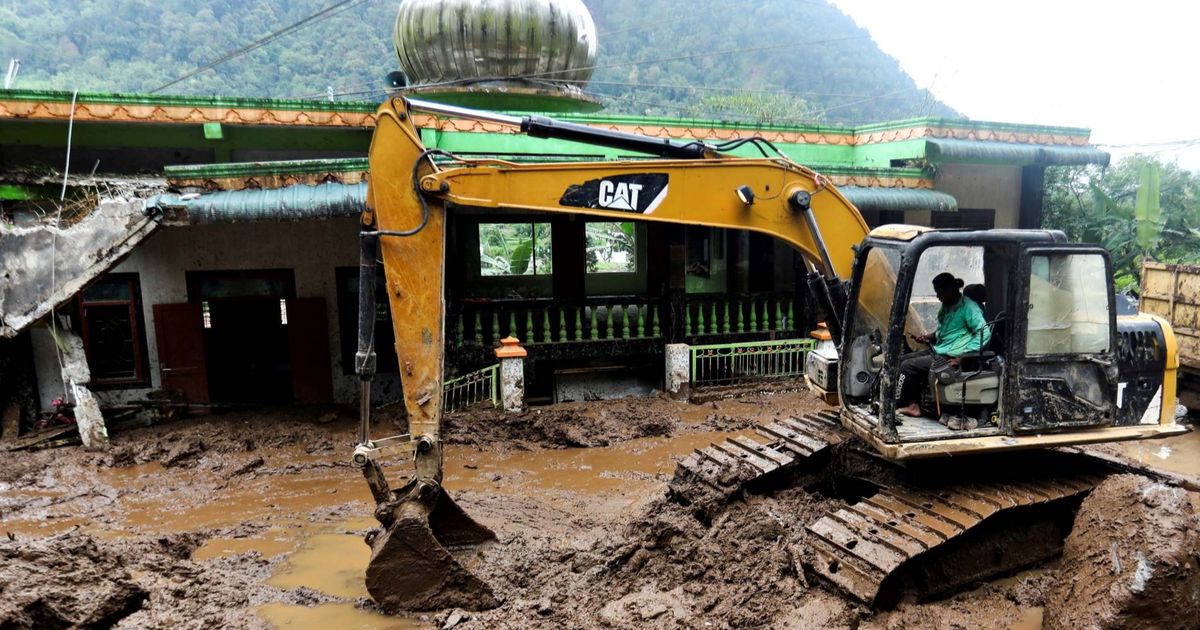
927	338
954	361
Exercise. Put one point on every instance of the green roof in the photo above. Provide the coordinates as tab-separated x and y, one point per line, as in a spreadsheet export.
596	118
899	199
976	151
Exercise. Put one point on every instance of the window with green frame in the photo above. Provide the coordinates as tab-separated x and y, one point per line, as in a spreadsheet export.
611	247
515	249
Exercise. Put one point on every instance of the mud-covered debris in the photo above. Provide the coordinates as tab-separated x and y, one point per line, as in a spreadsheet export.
249	466
571	425
1132	560
453	618
64	581
184	453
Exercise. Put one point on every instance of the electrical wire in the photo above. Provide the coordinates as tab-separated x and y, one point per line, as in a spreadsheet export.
710	88
324	14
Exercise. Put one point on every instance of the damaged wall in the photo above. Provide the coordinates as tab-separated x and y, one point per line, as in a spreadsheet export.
43	266
312	249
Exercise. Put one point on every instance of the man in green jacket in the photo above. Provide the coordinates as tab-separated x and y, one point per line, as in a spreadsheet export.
962	329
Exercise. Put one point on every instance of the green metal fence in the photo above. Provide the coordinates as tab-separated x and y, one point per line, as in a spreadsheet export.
474	387
723	316
485	325
725	364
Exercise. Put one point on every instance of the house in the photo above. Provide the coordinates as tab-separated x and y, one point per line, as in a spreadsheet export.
239	284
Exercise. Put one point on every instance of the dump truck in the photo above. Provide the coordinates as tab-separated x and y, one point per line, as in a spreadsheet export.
1173	293
934	504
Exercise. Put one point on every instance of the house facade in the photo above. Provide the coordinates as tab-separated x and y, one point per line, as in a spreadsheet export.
242	288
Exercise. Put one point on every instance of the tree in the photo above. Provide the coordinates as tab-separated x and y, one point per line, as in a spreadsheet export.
1139	208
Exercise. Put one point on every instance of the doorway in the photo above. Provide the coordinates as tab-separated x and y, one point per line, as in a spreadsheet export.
245	320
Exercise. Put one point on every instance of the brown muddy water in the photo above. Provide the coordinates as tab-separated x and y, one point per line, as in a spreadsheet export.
307	511
279	488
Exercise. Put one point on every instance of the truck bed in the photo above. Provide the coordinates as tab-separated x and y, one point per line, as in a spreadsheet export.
1173	293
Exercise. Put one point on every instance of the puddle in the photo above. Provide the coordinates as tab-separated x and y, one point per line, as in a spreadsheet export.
224	547
1031	619
1179	454
630	467
331	563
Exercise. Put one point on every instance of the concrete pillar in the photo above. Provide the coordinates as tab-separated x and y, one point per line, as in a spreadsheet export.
678	370
77	375
512	374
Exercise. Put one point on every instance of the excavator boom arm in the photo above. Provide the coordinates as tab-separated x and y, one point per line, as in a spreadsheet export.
709	192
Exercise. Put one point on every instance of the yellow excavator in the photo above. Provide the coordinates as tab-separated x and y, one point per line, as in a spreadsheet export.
1060	368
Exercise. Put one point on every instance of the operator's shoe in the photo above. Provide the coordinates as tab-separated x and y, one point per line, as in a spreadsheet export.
958	423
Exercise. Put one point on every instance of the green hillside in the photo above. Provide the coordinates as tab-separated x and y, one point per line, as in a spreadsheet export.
775	60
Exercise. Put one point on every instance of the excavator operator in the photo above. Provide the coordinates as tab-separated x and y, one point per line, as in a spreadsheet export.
960	322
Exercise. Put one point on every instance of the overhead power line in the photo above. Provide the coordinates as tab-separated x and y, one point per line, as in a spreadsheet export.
1165	145
326	13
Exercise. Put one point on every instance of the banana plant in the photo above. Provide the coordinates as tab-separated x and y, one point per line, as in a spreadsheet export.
1147	209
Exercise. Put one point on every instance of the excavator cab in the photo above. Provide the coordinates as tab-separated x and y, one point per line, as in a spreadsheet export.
1047	371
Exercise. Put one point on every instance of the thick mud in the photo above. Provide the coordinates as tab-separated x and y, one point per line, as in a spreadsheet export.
1132	560
601	423
255	520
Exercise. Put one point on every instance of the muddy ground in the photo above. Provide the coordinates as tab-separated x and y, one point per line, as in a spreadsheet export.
255	520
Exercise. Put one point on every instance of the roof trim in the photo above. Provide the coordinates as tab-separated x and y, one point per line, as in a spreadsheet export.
899	199
979	152
234	102
644	124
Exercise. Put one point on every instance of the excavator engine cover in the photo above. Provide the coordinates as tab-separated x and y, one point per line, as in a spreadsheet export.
417	553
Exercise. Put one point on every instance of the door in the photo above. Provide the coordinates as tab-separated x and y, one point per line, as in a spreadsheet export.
308	339
1064	364
179	329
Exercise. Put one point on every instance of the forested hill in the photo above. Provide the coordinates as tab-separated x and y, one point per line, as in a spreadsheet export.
769	60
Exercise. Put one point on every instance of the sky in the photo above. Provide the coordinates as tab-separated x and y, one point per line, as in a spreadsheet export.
1126	70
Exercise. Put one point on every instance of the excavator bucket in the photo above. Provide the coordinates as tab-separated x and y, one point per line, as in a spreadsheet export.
419	556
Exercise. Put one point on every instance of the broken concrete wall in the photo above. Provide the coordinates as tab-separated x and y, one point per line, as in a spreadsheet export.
76	374
43	266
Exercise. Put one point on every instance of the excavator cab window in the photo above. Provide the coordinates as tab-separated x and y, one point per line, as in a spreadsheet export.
863	351
1065	364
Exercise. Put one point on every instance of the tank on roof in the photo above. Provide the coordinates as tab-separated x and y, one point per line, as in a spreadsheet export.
531	54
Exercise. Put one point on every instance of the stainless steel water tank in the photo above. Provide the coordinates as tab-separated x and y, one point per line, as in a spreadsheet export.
457	41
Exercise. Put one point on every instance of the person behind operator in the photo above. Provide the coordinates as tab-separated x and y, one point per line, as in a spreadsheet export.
960	322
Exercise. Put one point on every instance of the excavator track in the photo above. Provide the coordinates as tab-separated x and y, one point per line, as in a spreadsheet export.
713	474
873	549
908	537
